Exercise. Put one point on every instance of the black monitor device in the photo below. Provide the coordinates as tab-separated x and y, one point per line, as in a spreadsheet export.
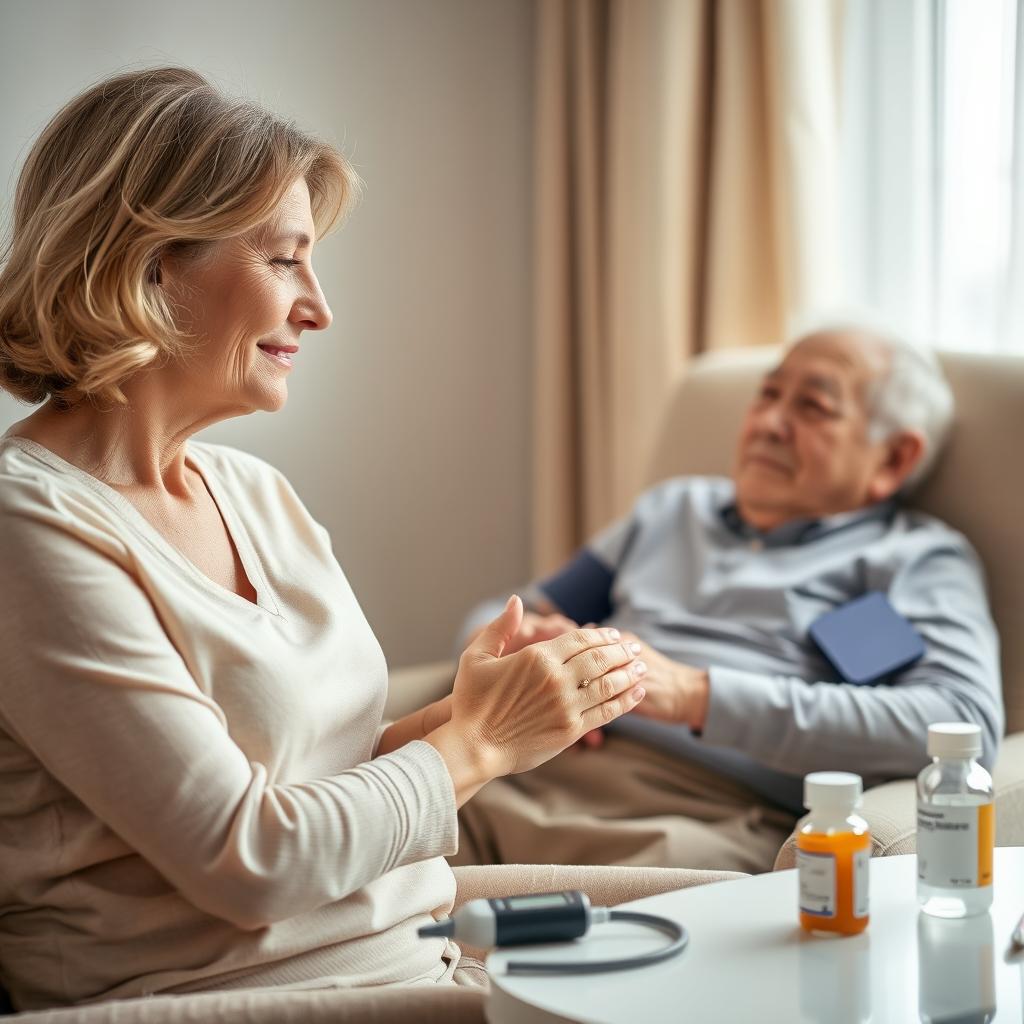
866	640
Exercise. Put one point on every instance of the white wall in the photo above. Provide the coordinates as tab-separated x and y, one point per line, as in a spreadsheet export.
407	426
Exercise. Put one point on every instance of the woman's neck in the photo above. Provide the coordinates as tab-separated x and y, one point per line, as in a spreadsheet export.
124	447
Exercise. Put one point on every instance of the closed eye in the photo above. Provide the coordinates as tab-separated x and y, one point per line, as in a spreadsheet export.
290	263
816	407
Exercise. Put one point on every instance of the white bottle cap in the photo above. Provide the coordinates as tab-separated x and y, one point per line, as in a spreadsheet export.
838	790
954	739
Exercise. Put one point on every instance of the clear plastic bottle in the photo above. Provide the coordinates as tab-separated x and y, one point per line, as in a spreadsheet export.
833	848
955	824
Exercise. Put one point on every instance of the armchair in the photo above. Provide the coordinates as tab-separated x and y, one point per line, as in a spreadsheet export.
974	488
413	1004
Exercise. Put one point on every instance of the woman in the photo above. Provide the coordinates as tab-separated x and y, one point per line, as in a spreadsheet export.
195	788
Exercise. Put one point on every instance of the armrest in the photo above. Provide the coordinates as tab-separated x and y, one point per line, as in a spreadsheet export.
392	1004
1009	781
424	1004
891	809
606	885
410	689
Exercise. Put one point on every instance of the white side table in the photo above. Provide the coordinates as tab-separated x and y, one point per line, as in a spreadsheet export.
748	960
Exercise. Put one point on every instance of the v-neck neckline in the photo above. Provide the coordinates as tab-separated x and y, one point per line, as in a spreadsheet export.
239	536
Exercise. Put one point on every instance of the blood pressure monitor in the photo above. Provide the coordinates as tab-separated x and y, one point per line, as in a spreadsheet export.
550	917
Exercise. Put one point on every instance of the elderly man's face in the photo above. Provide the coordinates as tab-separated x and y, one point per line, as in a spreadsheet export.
248	302
804	449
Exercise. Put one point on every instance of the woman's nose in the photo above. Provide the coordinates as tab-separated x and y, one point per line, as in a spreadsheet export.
312	312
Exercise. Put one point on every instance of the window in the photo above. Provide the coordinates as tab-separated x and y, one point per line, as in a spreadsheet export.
933	180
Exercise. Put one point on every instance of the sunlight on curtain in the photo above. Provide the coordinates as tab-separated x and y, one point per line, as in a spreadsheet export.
933	140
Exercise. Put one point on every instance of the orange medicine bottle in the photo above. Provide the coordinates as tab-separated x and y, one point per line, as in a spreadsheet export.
833	848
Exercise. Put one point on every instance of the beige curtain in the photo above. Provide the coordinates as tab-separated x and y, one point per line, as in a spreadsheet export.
686	183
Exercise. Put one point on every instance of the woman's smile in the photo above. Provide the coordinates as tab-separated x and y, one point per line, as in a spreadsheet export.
280	355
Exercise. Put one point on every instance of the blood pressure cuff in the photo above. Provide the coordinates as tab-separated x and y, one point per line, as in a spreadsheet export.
582	589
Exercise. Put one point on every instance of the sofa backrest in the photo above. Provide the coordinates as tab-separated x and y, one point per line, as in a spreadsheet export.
977	486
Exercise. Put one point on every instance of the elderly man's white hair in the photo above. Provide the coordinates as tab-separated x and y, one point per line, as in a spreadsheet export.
913	395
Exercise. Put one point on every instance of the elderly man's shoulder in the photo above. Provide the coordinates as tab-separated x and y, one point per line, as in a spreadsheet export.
915	535
913	522
691	493
690	488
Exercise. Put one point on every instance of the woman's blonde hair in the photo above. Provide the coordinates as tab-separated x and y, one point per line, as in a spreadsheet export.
144	164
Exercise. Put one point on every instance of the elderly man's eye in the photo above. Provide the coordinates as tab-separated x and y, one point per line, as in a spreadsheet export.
290	263
813	406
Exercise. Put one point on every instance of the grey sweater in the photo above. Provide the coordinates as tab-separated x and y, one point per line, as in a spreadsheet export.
686	574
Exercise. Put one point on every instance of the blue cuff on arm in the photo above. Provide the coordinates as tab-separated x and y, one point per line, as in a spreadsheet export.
582	589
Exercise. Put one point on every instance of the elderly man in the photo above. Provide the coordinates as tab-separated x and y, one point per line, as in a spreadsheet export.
719	581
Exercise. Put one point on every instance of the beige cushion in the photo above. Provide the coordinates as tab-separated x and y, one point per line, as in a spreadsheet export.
976	487
413	1004
410	1004
607	885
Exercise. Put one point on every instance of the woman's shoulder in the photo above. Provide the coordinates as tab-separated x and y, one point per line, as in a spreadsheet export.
44	500
31	472
240	470
234	461
249	478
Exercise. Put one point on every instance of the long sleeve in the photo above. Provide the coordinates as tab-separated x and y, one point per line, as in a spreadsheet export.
94	689
797	725
188	793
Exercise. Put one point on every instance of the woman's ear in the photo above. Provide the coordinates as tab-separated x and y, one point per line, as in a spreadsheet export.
903	451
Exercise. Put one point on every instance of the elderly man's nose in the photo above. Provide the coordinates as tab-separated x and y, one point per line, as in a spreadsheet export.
772	419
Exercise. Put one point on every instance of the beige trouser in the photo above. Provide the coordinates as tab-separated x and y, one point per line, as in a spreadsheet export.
622	803
470	971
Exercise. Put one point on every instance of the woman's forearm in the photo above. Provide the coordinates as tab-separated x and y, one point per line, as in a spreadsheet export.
414	726
469	764
468	769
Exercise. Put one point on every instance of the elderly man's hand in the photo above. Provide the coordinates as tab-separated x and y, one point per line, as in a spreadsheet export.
536	628
675	692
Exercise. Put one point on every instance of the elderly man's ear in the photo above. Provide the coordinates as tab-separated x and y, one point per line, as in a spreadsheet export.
903	452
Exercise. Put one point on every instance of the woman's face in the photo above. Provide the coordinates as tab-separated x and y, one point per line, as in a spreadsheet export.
247	302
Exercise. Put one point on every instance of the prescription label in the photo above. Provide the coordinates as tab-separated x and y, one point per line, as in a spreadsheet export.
861	868
817	879
954	845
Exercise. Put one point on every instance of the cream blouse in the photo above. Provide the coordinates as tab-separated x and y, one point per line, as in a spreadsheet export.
188	794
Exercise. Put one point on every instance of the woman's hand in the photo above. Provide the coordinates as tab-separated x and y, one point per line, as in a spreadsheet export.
510	714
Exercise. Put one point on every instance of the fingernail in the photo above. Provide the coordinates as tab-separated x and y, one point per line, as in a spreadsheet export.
639	693
635	648
612	634
639	668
